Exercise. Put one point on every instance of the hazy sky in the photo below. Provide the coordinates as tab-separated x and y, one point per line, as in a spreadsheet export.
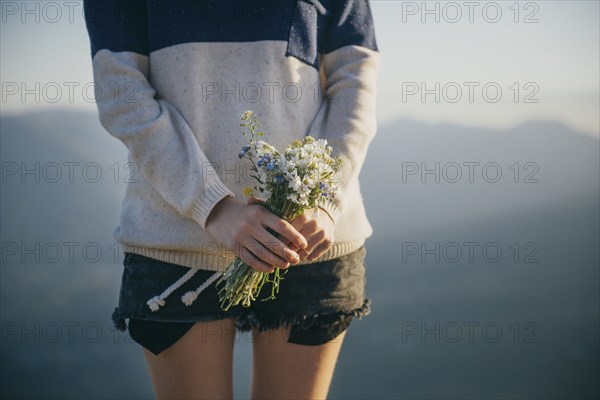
492	64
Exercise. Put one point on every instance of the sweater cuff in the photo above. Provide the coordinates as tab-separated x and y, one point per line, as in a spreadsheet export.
208	200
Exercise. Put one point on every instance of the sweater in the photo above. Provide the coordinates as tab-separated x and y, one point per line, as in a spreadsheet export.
172	79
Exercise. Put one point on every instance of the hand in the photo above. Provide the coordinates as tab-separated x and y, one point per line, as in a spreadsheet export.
317	228
242	228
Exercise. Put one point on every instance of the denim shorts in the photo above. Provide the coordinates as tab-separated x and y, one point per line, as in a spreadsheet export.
318	300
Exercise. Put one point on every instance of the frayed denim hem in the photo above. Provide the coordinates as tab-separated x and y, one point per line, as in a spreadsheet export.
119	318
249	320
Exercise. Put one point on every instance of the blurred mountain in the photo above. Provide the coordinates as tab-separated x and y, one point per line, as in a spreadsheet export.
481	174
531	193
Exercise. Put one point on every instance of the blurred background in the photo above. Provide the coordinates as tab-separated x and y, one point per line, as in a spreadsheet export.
482	186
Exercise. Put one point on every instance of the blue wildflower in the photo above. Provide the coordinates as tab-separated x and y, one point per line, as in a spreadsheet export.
245	150
272	164
263	160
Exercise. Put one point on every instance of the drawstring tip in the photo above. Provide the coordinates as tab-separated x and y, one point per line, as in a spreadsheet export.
158	301
189	298
155	303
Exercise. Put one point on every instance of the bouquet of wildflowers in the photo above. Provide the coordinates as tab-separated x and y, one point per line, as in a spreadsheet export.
289	183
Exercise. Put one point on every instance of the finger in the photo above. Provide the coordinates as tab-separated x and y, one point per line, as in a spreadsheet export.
314	241
308	227
286	230
286	242
257	256
276	246
299	223
266	255
319	251
300	220
250	258
293	247
309	233
303	254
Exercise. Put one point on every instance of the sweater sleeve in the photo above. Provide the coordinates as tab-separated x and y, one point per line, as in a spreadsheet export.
349	60
159	140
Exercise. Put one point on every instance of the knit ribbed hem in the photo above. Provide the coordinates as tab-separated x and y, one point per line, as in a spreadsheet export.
219	262
190	259
209	199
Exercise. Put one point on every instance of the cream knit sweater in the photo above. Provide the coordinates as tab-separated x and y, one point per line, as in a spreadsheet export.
173	79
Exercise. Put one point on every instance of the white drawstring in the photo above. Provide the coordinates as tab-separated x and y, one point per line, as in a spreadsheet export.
158	301
191	296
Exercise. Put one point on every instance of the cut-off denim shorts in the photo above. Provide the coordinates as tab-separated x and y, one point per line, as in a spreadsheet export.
318	300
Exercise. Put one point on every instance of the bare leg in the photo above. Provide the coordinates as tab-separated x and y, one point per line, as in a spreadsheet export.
199	365
283	370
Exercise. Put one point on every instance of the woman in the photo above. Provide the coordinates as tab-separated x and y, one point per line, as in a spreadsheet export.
172	80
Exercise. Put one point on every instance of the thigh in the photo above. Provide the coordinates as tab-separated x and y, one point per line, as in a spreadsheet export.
198	365
284	370
298	336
